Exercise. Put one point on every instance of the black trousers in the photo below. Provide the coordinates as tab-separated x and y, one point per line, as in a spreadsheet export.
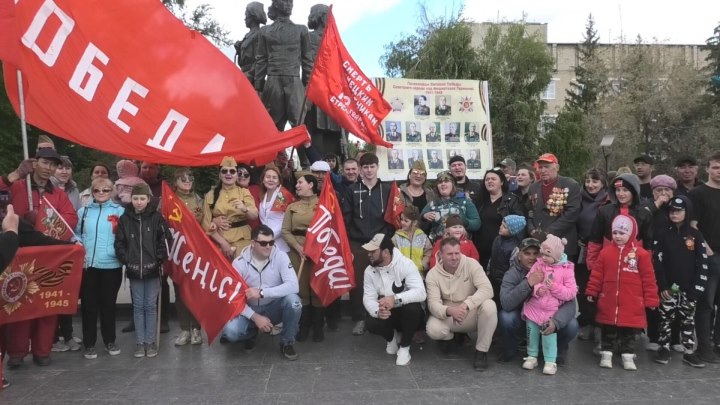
405	319
64	328
360	262
98	295
618	337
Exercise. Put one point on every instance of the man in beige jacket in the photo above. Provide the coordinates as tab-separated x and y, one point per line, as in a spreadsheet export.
459	297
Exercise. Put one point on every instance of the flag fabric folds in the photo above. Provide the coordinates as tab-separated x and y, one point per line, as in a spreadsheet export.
396	206
327	246
339	88
128	78
210	287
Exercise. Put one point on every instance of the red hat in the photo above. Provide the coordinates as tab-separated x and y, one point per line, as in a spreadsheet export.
547	157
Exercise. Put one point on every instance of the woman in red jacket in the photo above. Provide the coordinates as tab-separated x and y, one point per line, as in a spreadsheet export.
623	284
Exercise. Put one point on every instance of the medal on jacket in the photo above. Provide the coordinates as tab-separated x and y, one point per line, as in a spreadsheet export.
690	243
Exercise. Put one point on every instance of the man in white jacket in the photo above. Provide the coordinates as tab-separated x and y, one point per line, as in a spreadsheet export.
392	295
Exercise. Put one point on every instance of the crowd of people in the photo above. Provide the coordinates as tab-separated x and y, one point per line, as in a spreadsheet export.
522	257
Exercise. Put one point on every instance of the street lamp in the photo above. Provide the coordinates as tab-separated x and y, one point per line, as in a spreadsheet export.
606	141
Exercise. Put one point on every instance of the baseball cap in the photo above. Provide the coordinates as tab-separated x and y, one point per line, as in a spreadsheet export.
645	159
379	241
320	166
529	242
683	160
547	157
677	204
50	154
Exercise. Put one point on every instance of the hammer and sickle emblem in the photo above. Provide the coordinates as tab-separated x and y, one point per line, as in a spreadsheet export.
176	214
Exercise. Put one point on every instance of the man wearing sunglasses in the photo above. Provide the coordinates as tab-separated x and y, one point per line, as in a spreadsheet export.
272	294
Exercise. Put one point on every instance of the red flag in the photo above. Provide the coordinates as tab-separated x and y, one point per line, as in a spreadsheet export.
339	88
178	101
328	247
51	223
41	281
210	287
396	206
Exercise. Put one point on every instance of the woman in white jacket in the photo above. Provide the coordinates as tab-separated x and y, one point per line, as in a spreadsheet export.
392	295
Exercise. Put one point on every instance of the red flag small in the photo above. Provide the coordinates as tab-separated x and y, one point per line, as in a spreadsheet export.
328	247
395	207
49	222
339	88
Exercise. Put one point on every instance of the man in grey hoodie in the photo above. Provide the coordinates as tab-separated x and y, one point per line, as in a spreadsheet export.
515	289
272	294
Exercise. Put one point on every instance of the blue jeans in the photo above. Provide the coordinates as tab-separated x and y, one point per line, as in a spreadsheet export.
704	312
144	300
512	328
286	310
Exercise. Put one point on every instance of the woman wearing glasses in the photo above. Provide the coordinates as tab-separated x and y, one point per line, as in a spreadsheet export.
295	224
182	184
414	191
448	203
235	204
103	271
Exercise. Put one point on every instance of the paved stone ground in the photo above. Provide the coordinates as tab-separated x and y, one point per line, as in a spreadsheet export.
347	370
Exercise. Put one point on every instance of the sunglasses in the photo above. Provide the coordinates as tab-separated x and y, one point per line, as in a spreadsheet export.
418	172
101	190
187	179
264	243
244	174
228	171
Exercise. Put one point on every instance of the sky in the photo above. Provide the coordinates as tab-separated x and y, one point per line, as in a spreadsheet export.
367	26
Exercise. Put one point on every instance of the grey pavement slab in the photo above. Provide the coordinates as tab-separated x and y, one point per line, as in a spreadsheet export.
345	370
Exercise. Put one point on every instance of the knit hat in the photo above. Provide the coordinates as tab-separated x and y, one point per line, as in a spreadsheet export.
553	247
418	165
411	212
515	223
663	180
677	204
228	161
44	141
126	168
453	220
456	158
622	224
141	189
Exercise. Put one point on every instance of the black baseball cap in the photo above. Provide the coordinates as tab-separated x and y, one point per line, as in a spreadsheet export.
682	160
529	242
645	159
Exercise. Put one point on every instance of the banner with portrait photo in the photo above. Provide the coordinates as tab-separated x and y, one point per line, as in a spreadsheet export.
433	120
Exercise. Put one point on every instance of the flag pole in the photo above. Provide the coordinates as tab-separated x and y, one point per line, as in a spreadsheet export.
75	237
23	131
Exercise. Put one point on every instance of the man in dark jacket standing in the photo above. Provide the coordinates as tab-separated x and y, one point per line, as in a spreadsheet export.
515	289
554	204
363	209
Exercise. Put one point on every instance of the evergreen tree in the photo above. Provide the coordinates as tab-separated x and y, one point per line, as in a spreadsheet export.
590	73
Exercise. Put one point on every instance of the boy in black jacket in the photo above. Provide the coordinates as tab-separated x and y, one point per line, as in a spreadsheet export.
680	261
141	246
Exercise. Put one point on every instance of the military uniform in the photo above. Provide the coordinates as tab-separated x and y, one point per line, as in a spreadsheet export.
472	137
295	224
473	163
238	235
413	137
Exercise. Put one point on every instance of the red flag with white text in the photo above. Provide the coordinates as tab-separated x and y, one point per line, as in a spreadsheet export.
339	88
327	246
127	77
209	286
396	206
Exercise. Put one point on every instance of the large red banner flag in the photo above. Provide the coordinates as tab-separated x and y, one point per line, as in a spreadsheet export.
41	281
395	207
339	88
328	247
128	78
211	289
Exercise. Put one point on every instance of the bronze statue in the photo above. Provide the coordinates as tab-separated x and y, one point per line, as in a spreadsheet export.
324	131
246	48
283	51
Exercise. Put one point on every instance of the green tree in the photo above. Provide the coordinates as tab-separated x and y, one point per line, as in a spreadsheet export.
200	19
518	69
712	45
591	74
567	139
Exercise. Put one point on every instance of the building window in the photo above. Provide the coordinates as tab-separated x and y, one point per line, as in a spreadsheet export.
549	93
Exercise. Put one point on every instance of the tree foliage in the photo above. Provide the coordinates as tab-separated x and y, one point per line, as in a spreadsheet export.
200	19
712	45
567	139
591	74
516	65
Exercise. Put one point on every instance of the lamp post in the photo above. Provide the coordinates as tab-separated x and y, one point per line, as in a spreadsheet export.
606	141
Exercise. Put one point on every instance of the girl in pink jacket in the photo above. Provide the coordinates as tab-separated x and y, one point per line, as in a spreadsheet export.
552	278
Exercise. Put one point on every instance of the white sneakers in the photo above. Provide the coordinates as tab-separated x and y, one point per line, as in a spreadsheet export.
392	346
628	361
403	353
530	363
403	356
196	337
550	368
183	339
606	359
